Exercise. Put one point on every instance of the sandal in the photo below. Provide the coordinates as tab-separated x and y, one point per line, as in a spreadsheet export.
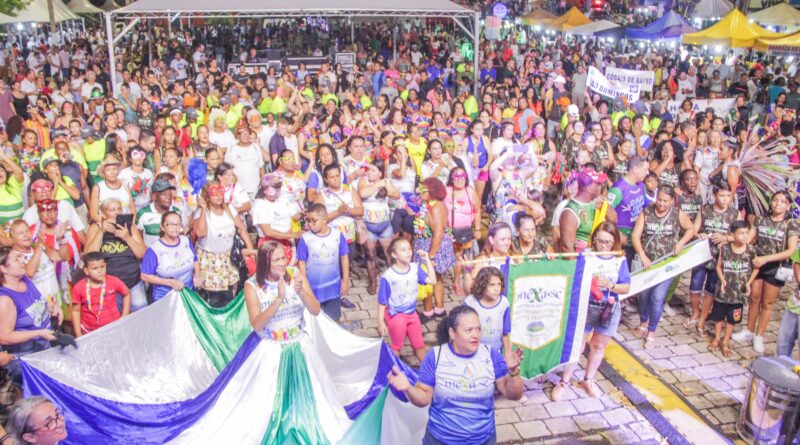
649	342
726	350
640	332
689	323
713	345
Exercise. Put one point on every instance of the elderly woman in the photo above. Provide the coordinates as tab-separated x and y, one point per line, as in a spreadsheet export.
122	245
24	313
36	420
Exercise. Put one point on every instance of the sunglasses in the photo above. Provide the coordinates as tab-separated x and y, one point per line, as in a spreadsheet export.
216	190
460	176
138	154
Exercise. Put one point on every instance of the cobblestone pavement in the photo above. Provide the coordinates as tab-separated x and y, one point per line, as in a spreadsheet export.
712	384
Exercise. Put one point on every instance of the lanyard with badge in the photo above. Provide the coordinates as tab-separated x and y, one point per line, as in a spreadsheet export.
102	297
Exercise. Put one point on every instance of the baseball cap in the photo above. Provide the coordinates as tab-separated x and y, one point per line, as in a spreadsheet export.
174	110
48	161
160	185
191	113
588	177
224	101
559	79
572	110
60	132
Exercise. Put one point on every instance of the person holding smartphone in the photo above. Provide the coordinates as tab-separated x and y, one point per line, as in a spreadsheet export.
122	246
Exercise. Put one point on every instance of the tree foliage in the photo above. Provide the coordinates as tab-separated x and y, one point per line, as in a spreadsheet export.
11	7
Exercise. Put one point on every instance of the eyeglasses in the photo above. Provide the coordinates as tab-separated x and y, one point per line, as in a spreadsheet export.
604	242
51	423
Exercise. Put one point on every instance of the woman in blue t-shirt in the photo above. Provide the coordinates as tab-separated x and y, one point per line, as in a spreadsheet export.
461	411
171	262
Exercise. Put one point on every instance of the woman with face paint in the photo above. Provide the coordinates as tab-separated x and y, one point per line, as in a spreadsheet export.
215	224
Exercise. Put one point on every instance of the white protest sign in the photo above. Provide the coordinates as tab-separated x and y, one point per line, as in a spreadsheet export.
721	106
644	79
692	255
598	83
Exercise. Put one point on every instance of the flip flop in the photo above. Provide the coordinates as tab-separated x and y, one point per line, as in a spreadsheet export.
713	346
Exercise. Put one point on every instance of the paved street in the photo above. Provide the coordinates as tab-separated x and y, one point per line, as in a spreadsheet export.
710	384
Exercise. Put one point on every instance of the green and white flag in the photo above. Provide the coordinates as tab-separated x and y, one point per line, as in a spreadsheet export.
549	301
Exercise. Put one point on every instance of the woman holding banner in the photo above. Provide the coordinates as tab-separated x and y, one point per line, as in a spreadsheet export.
462	406
657	233
612	278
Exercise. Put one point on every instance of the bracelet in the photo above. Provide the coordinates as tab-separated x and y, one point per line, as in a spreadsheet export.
514	373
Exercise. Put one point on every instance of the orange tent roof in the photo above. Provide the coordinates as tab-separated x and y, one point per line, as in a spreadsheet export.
572	18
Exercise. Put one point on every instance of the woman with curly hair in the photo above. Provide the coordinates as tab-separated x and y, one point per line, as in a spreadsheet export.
434	236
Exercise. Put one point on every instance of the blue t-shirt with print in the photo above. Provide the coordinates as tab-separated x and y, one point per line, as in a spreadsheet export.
322	255
462	410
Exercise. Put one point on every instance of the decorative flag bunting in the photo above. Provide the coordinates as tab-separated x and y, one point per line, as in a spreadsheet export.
180	372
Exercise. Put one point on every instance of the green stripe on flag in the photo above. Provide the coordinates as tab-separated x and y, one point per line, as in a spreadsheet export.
367	427
220	331
294	418
540	294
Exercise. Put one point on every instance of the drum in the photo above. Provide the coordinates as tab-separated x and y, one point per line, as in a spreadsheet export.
772	404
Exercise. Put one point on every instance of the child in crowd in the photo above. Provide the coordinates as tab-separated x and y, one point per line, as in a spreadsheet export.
736	273
323	252
94	298
137	178
494	311
650	188
788	332
397	297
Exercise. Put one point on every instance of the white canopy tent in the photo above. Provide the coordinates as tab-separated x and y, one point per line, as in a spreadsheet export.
590	28
37	12
782	15
467	19
83	7
712	9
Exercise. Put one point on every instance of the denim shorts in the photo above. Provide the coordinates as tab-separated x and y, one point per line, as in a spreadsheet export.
379	231
703	278
593	320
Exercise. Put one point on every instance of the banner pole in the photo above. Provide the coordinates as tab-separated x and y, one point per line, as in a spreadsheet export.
540	256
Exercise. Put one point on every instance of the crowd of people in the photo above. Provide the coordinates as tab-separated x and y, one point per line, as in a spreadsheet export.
185	175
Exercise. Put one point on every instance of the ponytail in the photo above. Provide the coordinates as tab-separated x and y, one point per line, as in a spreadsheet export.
451	322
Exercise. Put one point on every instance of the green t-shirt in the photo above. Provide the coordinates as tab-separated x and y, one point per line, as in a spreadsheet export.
61	192
11	201
278	106
148	220
94	154
51	154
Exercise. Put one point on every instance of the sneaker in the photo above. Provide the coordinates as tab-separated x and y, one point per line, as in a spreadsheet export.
347	304
758	344
668	310
742	336
425	318
558	391
590	387
440	314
